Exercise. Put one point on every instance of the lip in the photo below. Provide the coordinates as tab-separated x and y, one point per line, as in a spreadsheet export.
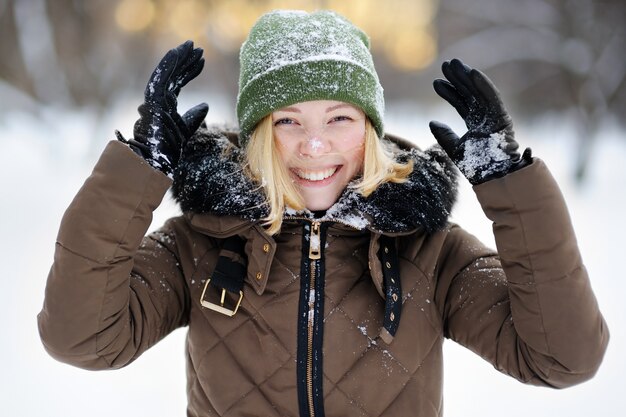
320	183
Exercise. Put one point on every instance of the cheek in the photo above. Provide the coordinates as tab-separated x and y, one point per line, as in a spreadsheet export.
354	145
284	148
354	162
349	141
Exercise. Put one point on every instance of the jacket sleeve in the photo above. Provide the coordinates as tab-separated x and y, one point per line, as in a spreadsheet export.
529	309
111	293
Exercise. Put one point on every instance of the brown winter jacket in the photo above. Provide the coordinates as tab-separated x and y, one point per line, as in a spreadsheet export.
322	324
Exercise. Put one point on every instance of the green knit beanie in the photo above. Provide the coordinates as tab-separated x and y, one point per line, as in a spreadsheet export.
294	56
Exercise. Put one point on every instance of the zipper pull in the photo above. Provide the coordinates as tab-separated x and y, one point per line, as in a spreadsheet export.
315	251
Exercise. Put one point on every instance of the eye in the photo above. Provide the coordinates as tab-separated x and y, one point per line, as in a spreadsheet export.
284	121
341	118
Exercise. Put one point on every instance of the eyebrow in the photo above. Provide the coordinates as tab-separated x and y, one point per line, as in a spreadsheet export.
338	106
290	109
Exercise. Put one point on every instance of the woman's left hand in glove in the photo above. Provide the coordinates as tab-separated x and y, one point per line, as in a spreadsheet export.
488	149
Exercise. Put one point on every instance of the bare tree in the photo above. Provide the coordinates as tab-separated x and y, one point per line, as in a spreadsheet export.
12	65
70	52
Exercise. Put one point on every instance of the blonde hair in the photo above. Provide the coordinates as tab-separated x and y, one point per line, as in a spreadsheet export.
265	167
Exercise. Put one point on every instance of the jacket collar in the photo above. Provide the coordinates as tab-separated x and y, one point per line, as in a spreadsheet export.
209	180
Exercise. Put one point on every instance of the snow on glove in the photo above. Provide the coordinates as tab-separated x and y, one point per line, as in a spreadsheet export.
160	132
488	149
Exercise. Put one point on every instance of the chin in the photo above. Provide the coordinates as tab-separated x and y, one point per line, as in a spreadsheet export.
317	206
316	203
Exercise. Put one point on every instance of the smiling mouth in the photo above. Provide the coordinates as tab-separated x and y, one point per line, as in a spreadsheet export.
315	175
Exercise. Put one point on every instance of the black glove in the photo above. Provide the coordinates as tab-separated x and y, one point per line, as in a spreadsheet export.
488	149
160	132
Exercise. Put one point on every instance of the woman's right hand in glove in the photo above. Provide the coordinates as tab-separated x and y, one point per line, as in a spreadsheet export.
160	132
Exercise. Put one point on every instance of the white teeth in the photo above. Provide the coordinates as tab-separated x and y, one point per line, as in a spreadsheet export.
316	175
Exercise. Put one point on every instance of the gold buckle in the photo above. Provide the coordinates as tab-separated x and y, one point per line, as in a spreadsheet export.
219	308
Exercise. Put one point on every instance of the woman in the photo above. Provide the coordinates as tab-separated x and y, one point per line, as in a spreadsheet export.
314	262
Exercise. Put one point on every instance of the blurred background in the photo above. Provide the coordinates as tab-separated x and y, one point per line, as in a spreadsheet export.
73	71
551	55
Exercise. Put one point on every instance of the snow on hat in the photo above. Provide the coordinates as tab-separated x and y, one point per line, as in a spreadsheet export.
293	56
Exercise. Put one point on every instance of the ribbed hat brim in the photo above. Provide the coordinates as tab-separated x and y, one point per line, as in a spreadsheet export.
323	78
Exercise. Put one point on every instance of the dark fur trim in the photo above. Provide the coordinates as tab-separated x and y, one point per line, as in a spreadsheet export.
209	178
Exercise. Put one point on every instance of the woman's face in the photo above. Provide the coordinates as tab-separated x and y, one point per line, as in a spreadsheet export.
321	144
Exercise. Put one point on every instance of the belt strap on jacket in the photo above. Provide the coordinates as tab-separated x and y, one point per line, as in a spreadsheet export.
228	276
393	290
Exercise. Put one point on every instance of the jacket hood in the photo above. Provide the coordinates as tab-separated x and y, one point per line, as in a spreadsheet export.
210	179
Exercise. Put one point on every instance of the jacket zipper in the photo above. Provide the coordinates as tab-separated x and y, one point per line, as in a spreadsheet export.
310	322
314	255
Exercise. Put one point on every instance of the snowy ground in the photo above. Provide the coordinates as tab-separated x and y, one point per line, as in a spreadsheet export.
44	162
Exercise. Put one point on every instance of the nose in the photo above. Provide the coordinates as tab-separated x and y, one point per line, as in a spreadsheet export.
315	145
